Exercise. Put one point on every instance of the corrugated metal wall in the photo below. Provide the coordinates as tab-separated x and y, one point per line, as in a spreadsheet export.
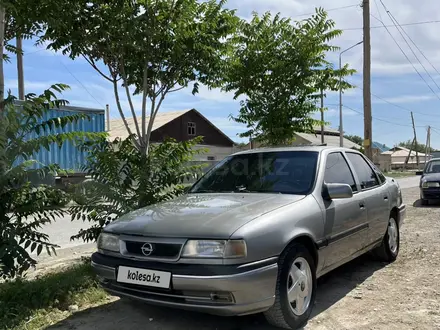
68	157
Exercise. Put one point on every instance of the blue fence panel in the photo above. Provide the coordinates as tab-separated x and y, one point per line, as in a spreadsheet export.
69	157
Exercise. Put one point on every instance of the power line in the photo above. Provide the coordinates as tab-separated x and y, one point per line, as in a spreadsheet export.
392	25
396	105
330	9
406	56
79	82
396	23
379	119
412	41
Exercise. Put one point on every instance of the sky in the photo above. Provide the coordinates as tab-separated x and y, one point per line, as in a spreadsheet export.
396	86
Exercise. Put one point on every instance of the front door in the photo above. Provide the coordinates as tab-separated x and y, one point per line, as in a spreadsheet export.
346	226
375	194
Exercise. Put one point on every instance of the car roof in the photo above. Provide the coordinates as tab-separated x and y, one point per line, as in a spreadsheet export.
295	148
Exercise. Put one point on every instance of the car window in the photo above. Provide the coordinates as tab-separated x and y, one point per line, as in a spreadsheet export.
338	171
365	173
433	166
286	172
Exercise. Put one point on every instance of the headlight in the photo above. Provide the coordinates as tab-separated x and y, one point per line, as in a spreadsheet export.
427	184
214	249
108	242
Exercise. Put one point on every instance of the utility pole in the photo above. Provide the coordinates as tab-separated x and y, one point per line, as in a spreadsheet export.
322	116
367	81
427	149
20	68
415	140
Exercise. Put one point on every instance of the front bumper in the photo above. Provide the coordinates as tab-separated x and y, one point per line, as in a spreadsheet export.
219	290
430	193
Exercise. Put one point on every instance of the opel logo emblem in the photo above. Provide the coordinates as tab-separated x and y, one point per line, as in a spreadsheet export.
147	249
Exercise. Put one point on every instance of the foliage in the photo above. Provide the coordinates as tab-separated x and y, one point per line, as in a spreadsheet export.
151	47
420	147
355	139
38	303
279	68
25	207
123	180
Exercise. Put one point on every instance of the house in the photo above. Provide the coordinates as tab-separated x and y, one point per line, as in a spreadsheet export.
182	126
395	159
331	138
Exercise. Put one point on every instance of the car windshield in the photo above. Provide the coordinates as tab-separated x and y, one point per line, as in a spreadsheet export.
433	167
287	172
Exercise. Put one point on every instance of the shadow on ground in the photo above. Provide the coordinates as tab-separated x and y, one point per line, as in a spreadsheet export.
432	204
128	315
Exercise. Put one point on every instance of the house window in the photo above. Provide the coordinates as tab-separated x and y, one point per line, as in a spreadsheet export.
191	128
211	157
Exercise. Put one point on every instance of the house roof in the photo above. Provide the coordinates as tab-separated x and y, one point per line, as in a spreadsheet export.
118	129
401	152
330	140
327	130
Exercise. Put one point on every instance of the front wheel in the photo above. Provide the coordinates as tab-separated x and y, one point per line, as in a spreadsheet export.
389	249
296	289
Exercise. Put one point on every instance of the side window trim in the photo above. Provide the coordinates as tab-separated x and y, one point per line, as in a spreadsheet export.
349	168
368	163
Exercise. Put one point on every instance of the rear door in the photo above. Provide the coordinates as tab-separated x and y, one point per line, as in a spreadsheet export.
345	219
374	193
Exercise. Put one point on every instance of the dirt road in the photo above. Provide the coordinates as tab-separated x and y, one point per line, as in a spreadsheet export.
363	294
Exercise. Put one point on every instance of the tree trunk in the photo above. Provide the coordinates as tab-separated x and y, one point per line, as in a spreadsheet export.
2	42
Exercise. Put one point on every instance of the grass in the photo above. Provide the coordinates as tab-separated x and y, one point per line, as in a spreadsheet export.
36	304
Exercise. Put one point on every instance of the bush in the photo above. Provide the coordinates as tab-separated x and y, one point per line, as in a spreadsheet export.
25	206
123	180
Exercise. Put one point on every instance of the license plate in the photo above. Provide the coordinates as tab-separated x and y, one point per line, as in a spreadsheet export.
144	277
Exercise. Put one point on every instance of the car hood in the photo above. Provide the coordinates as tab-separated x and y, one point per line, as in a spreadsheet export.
200	215
431	177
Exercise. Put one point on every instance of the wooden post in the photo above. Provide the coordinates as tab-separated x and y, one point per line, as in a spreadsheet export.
415	140
426	147
367	81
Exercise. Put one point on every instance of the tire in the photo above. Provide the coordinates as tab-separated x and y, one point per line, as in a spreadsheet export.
283	314
388	251
425	202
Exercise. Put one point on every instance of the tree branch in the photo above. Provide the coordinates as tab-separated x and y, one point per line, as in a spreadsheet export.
130	102
118	103
92	63
144	107
176	89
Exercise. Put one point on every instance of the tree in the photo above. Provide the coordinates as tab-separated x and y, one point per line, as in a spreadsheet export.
148	47
123	180
355	139
420	147
279	67
25	207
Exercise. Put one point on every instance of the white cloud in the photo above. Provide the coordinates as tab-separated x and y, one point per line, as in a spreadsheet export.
406	99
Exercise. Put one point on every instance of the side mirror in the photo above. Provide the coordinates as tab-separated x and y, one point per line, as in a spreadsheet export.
337	191
419	173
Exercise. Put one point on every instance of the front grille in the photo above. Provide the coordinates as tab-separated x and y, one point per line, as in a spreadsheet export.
159	250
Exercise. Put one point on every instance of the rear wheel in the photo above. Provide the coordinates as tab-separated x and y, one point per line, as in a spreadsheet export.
389	249
296	289
425	201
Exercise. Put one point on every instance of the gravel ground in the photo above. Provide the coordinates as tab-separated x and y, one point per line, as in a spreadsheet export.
363	294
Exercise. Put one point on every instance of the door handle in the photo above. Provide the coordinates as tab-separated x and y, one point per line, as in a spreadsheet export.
362	205
385	198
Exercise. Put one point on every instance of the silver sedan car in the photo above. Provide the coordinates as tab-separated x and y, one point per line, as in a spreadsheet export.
254	234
